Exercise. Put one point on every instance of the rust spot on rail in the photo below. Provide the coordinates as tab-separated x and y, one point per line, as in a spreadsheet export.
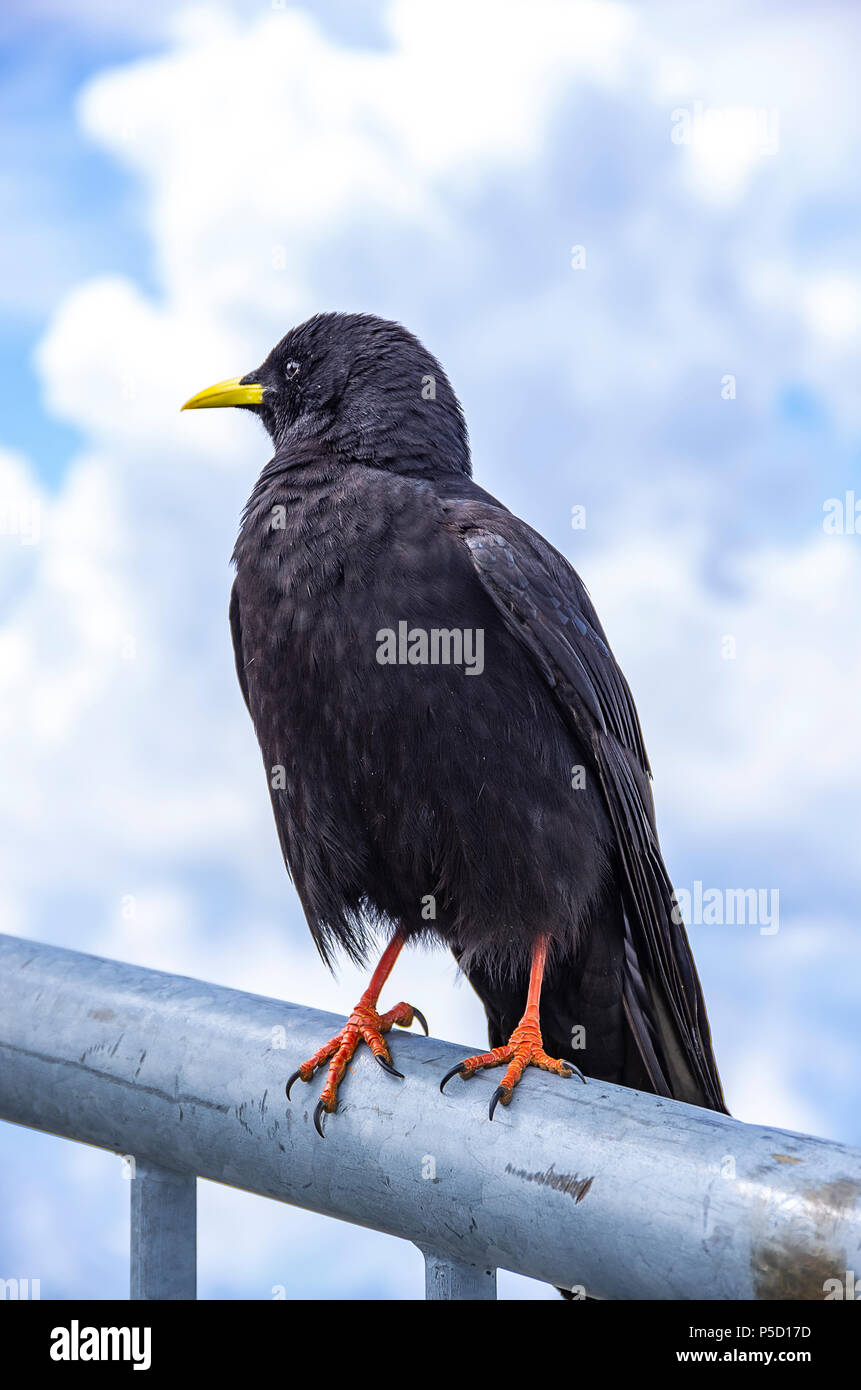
797	1243
570	1183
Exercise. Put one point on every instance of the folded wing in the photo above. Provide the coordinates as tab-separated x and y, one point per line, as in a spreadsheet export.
545	605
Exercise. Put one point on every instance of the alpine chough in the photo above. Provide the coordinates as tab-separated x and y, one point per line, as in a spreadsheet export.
451	749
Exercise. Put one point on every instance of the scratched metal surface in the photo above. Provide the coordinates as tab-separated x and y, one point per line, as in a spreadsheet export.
624	1194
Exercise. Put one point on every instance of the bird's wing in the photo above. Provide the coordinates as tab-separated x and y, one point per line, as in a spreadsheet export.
545	605
236	634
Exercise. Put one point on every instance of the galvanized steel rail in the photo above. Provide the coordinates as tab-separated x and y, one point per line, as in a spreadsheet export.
593	1188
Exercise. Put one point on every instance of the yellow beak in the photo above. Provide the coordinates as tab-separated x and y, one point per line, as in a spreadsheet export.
230	392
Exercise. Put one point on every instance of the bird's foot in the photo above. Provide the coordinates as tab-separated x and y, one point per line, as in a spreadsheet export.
363	1025
523	1049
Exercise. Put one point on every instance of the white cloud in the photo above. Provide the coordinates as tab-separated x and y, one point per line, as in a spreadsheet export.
832	304
756	713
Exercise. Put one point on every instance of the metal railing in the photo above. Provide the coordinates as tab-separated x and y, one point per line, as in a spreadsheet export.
593	1188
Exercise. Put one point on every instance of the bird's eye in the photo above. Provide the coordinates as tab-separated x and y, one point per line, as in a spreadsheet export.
291	370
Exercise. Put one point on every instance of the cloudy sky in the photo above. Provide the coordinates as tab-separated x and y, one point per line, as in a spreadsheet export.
630	233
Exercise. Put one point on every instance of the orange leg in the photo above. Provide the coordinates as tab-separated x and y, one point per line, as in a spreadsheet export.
524	1048
364	1024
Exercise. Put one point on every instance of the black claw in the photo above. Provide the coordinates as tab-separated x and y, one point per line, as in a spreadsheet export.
422	1020
455	1071
387	1066
575	1071
293	1078
319	1112
498	1095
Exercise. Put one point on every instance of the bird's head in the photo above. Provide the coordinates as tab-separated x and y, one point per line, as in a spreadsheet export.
364	387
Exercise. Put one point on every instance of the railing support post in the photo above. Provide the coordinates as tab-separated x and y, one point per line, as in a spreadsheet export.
455	1279
163	1233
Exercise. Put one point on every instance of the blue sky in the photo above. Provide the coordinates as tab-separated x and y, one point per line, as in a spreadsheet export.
69	210
183	186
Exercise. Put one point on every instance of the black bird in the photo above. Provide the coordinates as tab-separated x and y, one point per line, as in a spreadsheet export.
452	751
